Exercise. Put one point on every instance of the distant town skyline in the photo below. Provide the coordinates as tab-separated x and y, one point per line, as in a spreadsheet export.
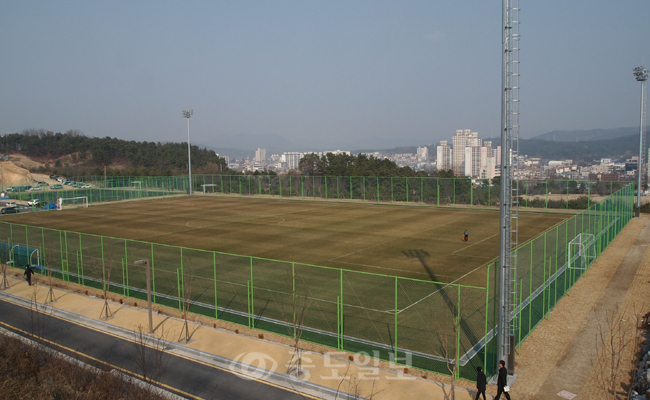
360	74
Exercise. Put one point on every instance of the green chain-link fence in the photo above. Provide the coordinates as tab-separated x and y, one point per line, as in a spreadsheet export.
414	322
534	193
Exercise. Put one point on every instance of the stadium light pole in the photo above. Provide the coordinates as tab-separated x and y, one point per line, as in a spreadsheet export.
507	319
641	75
188	114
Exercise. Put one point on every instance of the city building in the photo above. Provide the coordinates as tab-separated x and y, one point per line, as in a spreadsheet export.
260	156
291	160
444	156
423	153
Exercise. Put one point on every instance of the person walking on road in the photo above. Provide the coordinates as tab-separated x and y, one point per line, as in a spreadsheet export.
481	383
502	381
28	274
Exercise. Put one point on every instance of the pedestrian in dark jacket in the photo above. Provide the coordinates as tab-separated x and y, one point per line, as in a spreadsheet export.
481	382
28	274
465	236
502	381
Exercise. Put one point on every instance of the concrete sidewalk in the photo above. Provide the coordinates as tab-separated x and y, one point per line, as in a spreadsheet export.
327	375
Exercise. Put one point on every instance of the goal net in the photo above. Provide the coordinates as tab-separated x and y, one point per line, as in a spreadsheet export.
73	202
208	188
582	251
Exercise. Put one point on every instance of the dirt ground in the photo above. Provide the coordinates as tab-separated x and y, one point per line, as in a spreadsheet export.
11	174
561	353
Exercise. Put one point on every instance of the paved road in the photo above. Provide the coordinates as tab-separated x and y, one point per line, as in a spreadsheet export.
194	379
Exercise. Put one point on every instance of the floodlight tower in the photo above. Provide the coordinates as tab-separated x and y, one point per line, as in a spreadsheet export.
188	114
641	75
509	207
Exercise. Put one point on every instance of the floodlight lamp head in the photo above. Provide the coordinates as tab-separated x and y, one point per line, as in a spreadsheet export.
641	74
188	113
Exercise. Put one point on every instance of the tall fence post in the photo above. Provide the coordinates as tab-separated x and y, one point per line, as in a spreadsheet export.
457	323
487	310
153	274
216	303
395	341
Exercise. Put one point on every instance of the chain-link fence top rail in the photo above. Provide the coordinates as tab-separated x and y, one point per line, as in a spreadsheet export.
534	193
427	324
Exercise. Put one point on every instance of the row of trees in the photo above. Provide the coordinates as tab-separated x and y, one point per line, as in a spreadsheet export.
348	165
143	158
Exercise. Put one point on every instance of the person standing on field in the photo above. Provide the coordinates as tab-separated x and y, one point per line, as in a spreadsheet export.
28	274
466	235
481	383
502	381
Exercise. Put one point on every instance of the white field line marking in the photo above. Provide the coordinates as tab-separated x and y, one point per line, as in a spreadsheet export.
467	255
447	284
465	248
364	308
390	269
472	271
422	299
225	223
388	241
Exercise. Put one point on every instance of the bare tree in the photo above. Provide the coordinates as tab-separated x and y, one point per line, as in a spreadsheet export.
105	279
150	355
353	388
612	339
186	294
295	317
449	348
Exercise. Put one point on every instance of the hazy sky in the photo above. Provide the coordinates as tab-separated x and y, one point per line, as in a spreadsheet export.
336	72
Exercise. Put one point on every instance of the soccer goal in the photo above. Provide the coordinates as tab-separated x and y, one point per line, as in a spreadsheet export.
73	202
582	251
208	188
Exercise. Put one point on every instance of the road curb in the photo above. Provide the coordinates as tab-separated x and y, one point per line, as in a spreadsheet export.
242	370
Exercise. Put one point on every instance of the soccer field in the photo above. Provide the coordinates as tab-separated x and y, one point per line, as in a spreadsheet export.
414	242
380	278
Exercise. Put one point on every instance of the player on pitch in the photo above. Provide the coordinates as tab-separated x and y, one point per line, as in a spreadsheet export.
466	236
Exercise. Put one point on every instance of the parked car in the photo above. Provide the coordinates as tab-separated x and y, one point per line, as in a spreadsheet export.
35	188
86	186
52	176
9	210
33	202
56	186
10	204
42	184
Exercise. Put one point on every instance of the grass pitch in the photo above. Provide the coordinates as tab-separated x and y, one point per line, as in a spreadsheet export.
414	242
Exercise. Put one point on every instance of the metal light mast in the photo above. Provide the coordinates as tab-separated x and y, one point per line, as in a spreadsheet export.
507	269
641	75
188	114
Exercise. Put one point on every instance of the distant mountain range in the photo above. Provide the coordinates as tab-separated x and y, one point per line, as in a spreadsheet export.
579	145
587	135
618	148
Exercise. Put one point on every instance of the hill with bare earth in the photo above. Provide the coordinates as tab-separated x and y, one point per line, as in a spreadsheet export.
16	172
